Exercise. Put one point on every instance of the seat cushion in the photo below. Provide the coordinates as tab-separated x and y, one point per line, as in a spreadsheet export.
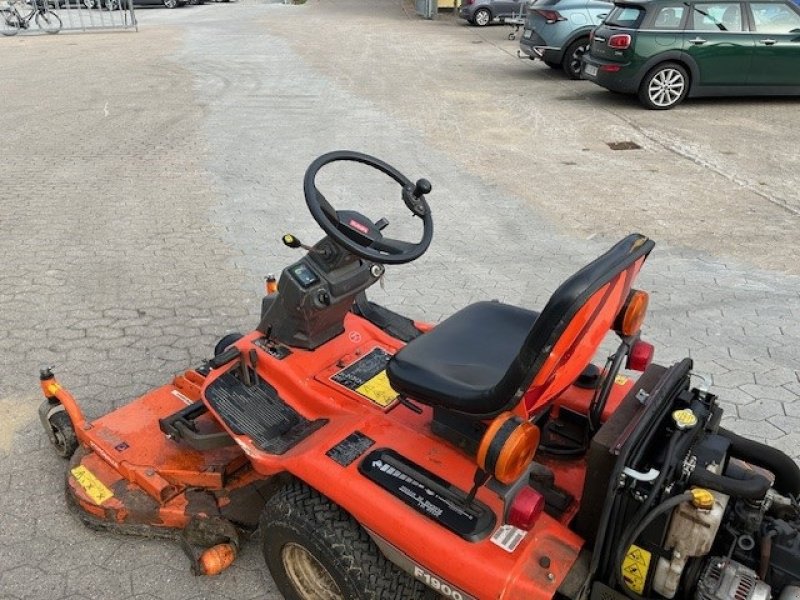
469	363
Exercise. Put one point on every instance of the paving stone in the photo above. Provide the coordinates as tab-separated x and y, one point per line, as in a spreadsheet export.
148	234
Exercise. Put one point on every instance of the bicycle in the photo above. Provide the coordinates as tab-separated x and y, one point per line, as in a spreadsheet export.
11	20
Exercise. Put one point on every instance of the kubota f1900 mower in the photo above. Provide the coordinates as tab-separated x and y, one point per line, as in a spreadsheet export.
485	457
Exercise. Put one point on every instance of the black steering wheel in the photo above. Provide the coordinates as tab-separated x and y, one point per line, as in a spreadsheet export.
357	233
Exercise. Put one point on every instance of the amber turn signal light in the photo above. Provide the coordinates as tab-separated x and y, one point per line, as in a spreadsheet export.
216	559
630	318
507	447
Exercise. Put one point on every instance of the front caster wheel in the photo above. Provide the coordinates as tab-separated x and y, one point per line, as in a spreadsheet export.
62	433
316	551
226	341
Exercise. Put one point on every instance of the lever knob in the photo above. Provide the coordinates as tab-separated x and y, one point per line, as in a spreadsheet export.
291	241
422	187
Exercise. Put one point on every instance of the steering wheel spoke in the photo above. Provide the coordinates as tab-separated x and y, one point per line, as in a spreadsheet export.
391	246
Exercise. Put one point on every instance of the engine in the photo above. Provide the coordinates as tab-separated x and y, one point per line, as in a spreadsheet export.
692	510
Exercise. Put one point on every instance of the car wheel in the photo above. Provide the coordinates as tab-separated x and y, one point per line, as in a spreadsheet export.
664	87
314	550
551	64
482	17
171	3
573	57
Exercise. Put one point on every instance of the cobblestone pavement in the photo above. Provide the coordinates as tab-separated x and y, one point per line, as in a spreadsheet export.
148	177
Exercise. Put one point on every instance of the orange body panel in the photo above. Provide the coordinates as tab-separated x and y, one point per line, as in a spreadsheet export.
481	568
150	476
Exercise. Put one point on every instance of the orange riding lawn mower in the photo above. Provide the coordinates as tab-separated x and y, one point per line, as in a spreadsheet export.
484	457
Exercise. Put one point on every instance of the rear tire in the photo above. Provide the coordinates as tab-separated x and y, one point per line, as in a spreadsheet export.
482	17
315	550
664	87
9	23
573	57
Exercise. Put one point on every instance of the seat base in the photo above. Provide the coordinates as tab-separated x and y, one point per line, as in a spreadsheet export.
470	363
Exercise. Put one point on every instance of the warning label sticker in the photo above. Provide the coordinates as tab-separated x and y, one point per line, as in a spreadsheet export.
508	537
635	567
93	487
367	376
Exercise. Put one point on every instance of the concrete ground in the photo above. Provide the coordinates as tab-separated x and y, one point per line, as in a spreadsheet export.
148	177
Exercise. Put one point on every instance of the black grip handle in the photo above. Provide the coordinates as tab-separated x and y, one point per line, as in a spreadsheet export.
225	357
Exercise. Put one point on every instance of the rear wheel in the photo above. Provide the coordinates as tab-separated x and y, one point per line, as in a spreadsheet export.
573	57
664	87
171	3
9	22
316	551
48	21
482	17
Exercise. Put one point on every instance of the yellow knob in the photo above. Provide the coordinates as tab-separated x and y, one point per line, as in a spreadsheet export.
684	418
702	498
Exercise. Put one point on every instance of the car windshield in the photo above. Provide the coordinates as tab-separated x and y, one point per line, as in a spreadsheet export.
625	16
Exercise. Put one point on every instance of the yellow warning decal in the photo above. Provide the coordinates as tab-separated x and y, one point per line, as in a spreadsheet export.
378	390
621	379
635	567
93	487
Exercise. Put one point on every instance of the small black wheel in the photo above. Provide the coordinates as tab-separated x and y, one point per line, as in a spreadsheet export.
552	65
226	341
315	550
664	87
482	17
64	440
573	57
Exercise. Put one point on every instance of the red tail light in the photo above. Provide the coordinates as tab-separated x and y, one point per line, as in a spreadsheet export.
640	356
619	41
610	68
551	16
525	509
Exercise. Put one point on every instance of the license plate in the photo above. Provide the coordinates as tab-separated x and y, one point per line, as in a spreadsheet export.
528	33
590	70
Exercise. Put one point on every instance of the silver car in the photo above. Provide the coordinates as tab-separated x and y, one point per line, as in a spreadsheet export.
483	12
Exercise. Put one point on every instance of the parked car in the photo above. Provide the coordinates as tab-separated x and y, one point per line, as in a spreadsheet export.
664	50
557	31
483	12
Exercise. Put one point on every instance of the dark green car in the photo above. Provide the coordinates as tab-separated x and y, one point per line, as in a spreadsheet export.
666	50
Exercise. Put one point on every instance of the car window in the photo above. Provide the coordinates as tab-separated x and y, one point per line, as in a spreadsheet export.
774	17
669	17
716	16
625	16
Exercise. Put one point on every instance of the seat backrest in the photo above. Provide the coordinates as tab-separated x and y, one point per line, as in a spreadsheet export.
577	318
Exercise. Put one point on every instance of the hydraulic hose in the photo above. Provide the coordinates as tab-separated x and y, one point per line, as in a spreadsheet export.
787	473
659	510
752	488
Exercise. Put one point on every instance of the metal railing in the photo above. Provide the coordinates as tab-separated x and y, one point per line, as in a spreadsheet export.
54	16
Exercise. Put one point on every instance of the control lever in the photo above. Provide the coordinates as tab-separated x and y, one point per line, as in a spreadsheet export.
292	242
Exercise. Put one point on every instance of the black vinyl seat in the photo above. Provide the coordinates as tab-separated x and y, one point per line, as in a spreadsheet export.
470	362
480	360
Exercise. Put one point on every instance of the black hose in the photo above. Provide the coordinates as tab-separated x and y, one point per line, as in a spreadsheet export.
787	473
754	487
659	510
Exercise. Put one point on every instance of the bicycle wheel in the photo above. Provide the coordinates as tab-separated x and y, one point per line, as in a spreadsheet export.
49	21
9	22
